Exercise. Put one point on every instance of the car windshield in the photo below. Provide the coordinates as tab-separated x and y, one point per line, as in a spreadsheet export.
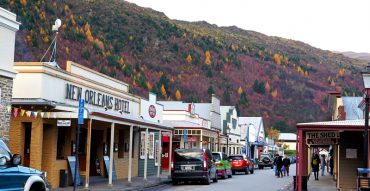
216	156
236	157
188	156
4	150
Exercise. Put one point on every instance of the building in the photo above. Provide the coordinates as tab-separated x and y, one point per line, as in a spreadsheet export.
193	123
46	118
8	28
230	131
252	135
287	141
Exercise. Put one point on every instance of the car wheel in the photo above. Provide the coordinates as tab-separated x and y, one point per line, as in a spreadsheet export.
229	175
260	167
215	179
175	182
225	175
246	170
252	171
233	172
272	167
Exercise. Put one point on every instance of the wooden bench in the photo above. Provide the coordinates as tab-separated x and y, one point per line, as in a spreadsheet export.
363	179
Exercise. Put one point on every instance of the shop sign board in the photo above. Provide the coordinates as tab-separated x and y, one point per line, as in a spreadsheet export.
322	138
63	123
81	104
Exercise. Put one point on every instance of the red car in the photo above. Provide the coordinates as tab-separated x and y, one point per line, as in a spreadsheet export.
240	163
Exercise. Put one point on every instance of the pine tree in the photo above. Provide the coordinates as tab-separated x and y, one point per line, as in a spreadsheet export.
243	100
210	90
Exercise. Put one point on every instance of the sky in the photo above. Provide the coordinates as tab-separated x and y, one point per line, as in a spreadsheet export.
336	25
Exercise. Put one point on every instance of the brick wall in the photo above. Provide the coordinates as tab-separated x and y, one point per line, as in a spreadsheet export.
6	86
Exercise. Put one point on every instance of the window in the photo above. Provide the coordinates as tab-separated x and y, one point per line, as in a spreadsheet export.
157	154
121	143
61	142
142	145
151	145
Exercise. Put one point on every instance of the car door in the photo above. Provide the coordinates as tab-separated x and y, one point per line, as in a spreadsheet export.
211	163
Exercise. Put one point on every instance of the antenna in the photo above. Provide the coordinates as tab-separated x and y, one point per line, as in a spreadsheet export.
53	56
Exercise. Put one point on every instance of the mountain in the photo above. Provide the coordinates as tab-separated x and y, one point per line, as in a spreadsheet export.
284	81
356	55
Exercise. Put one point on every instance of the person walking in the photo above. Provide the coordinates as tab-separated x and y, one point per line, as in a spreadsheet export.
315	163
323	164
279	166
286	164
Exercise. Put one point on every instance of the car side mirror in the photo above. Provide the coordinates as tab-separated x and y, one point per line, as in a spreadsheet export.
16	160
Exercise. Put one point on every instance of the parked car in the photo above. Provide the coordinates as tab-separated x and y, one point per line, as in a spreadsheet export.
239	163
265	160
16	177
193	165
223	166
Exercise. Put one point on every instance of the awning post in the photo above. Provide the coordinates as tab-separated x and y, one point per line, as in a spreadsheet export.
146	154
160	154
111	154
130	154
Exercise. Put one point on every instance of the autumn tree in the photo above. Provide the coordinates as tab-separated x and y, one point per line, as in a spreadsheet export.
163	91
274	93
273	134
178	95
259	87
240	90
208	58
267	87
189	59
277	59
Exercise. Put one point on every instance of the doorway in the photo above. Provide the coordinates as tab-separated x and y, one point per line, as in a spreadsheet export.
27	143
96	152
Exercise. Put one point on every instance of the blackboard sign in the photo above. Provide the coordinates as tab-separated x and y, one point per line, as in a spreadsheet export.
106	162
72	165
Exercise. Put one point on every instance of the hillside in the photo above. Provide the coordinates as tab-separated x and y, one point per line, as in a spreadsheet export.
282	80
355	55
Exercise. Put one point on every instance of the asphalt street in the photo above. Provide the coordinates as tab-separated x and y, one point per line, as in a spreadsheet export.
261	180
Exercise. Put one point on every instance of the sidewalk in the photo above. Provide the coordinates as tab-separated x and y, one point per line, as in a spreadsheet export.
137	183
325	183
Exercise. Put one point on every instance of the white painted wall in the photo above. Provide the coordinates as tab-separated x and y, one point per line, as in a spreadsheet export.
144	109
8	27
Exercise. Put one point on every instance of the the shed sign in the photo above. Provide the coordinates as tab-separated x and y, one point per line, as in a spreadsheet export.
322	138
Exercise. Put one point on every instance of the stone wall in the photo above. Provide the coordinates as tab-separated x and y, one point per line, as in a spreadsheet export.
6	86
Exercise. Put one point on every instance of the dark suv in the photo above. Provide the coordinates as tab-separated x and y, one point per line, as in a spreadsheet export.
16	177
265	160
193	165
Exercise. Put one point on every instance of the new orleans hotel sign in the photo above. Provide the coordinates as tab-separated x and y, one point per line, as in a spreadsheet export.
95	98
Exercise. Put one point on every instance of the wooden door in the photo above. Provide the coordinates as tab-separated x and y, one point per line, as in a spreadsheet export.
27	144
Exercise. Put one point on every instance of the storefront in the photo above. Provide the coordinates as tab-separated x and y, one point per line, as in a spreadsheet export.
231	131
44	123
345	140
191	130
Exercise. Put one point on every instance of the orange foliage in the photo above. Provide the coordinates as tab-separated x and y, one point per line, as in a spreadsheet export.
178	95
24	2
189	59
277	59
267	87
163	91
67	50
149	86
274	93
89	37
240	90
208	58
46	39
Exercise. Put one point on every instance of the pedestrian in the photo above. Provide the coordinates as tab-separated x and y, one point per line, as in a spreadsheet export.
286	164
331	163
323	164
275	160
315	165
279	166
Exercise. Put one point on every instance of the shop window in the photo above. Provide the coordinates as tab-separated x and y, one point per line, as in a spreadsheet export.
151	145
133	143
142	144
61	143
121	143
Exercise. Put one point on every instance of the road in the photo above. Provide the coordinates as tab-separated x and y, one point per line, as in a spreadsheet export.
261	180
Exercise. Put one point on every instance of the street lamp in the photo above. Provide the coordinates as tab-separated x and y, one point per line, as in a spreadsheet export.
366	78
227	139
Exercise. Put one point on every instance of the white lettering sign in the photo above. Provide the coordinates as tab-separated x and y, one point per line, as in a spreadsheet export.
63	123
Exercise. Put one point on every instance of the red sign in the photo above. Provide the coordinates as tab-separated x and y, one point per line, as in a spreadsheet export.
152	111
192	139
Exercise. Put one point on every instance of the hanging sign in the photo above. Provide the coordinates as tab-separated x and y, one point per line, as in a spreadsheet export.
81	104
63	123
322	138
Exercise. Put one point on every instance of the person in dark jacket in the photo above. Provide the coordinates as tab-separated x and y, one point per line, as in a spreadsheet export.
279	166
315	163
286	164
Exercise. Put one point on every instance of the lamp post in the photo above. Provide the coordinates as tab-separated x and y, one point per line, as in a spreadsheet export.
227	139
366	78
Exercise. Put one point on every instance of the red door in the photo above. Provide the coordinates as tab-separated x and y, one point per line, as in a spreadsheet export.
165	156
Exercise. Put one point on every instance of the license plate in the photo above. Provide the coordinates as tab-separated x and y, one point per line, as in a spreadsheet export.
188	167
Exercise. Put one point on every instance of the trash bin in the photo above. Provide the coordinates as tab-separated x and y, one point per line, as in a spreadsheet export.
304	182
63	178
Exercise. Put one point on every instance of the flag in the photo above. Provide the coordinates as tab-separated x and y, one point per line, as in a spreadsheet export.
42	114
15	112
48	115
9	109
22	112
28	113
